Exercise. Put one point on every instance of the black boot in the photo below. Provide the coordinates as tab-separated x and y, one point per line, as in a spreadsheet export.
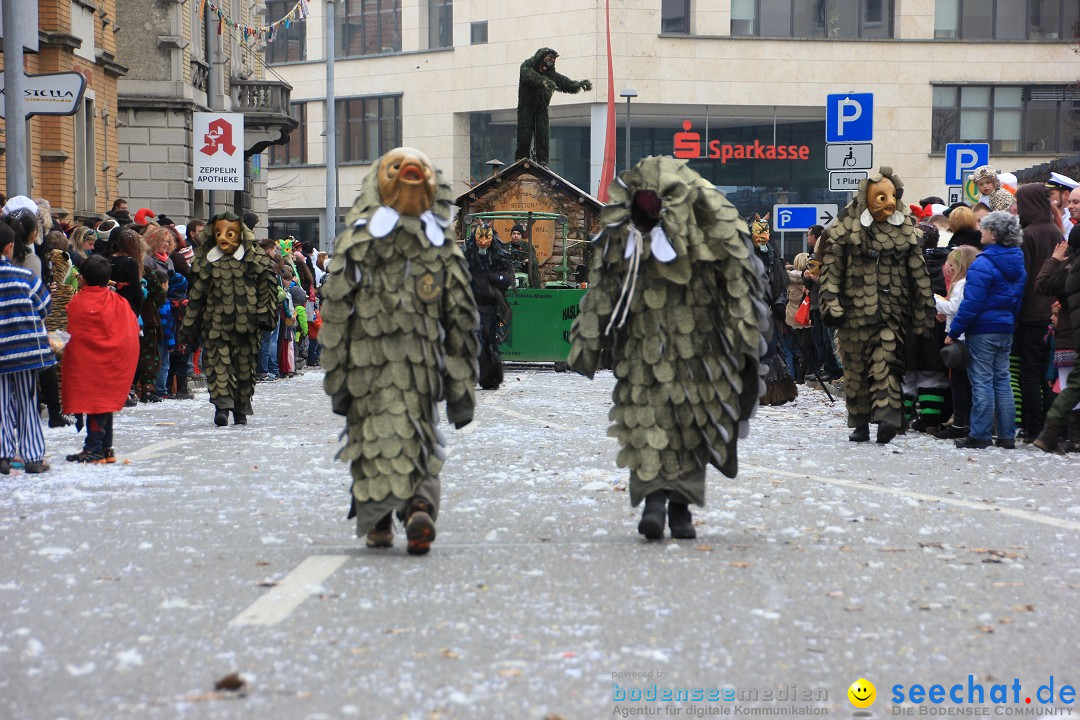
419	527
221	417
239	418
653	516
382	535
182	392
680	521
861	433
885	432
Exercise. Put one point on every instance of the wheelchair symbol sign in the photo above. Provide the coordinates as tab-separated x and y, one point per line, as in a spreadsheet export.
849	156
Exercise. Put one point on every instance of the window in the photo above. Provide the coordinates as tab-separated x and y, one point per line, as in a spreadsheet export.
440	23
289	44
294	152
1036	119
478	33
675	16
82	27
368	128
368	27
85	158
813	18
1007	19
303	229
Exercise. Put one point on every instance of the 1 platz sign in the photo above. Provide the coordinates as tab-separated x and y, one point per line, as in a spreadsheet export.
49	94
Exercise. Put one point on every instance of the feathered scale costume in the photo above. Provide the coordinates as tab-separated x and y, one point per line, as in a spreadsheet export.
676	299
398	336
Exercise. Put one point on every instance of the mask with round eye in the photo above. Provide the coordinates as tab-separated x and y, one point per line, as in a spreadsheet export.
407	181
227	235
881	199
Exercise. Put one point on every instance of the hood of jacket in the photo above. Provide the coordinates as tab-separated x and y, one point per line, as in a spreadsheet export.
1008	260
1033	204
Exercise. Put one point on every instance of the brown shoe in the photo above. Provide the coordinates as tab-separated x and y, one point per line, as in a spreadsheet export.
419	527
382	535
1049	439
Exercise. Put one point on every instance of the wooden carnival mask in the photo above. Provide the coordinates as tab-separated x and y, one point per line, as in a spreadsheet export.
484	235
881	199
227	235
407	181
759	230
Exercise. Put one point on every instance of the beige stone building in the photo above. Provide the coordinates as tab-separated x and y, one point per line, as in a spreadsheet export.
443	76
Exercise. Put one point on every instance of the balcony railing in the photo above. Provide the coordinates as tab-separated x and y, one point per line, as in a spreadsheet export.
261	97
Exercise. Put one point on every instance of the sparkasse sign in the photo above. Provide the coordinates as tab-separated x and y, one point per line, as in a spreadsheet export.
688	145
49	94
218	151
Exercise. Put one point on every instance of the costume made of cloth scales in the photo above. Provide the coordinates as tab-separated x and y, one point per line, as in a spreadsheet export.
398	336
231	298
678	305
874	287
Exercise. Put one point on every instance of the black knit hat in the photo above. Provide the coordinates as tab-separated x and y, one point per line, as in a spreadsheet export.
518	228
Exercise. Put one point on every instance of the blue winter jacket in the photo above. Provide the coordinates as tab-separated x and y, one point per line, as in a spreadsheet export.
992	294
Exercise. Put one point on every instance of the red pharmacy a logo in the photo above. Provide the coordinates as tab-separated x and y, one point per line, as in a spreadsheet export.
219	138
687	144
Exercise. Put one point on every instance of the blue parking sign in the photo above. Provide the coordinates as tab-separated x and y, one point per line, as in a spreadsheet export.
849	118
964	157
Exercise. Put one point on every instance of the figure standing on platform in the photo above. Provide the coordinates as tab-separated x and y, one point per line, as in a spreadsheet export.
537	83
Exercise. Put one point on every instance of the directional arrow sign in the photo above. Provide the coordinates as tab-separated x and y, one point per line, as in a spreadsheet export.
800	218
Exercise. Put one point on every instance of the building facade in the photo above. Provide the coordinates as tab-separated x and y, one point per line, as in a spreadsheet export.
72	159
737	75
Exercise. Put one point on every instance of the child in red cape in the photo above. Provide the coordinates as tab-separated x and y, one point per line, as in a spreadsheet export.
99	359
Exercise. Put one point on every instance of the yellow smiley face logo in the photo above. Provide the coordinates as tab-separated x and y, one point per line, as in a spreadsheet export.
862	693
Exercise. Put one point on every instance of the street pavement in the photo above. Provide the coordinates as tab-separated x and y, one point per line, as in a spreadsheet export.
128	591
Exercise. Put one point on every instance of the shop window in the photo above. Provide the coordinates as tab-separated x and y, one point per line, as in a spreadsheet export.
368	27
440	23
289	43
294	152
1007	19
478	33
368	127
675	17
813	18
1013	119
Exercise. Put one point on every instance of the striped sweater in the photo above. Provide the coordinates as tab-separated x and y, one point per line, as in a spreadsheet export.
24	303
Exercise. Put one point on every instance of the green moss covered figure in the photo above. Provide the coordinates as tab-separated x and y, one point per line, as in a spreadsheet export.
398	336
874	286
676	299
233	295
537	83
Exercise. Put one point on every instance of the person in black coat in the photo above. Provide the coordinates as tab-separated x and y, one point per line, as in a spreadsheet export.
927	395
492	273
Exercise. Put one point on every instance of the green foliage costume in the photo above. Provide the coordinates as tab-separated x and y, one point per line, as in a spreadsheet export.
537	83
233	296
676	298
398	336
874	284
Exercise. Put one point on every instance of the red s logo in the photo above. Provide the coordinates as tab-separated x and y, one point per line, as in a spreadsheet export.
687	144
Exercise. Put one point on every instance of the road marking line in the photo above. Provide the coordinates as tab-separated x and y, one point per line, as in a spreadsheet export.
968	504
153	449
290	593
530	418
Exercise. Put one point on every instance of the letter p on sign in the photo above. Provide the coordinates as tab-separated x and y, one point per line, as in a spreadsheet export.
849	118
964	157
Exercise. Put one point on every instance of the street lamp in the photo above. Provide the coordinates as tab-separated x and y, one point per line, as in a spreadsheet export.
628	93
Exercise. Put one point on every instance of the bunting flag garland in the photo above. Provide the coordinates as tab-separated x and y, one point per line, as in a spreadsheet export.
246	34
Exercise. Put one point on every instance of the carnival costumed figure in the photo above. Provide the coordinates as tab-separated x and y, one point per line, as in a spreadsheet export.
536	84
398	336
874	285
233	296
779	386
676	298
492	272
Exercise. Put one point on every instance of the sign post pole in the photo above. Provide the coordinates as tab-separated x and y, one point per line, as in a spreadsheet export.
16	31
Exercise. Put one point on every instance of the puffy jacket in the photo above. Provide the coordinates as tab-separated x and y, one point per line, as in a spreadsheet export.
992	294
1040	237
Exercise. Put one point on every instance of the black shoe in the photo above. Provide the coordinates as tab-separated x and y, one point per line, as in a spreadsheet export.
1006	443
38	466
653	516
62	421
970	443
861	434
885	432
382	535
419	528
239	418
680	521
132	400
221	418
86	456
952	432
5	466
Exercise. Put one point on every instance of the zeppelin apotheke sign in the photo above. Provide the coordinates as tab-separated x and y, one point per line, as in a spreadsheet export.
49	94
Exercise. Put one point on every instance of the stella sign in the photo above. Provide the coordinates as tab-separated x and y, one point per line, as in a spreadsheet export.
50	94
